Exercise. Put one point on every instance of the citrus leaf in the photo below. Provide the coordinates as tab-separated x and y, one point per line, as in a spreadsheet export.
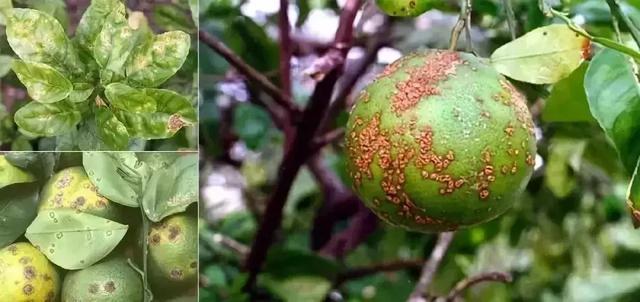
111	130
542	56
103	170
81	92
568	101
47	119
18	207
44	83
93	20
154	63
130	99
172	190
12	175
72	239
5	65
614	100
40	164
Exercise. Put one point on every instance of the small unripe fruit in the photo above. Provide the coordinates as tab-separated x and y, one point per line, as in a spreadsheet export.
439	141
405	8
27	275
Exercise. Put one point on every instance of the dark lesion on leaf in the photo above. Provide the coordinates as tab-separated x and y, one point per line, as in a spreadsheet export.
175	123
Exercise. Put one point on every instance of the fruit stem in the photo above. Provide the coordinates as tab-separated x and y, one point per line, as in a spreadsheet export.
148	295
463	23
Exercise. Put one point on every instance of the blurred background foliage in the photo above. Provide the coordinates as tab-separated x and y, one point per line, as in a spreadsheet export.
163	15
569	238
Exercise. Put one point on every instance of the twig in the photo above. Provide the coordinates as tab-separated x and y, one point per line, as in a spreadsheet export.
231	244
462	23
471	281
360	272
326	139
285	48
363	224
617	13
255	76
511	18
148	294
431	266
297	154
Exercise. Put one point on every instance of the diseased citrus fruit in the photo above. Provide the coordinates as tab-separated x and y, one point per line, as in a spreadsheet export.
110	280
439	141
173	252
71	188
405	8
27	275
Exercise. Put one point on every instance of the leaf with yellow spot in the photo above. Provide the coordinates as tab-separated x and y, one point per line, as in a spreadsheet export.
543	56
154	63
44	83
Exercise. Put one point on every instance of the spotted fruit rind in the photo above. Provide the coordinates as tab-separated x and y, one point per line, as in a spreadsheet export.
439	141
405	8
71	188
27	275
110	280
173	252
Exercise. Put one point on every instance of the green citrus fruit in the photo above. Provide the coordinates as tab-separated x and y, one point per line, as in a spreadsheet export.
405	8
111	280
438	141
71	188
173	252
27	275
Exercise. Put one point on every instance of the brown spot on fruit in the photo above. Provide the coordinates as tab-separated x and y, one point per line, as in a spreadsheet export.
27	289
193	264
24	260
174	231
109	287
155	239
13	249
93	288
50	296
29	272
176	274
423	80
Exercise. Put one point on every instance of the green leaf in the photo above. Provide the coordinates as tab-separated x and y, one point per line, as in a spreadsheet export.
55	8
568	100
252	125
601	286
88	137
130	99
105	173
614	99
113	47
94	19
174	111
564	161
298	276
154	63
40	164
47	119
111	130
158	160
172	190
44	83
18	207
170	17
5	9
37	37
542	56
10	174
81	92
5	65
72	239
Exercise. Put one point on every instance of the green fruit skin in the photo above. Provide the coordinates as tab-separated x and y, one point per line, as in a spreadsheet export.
173	254
111	280
71	188
405	8
481	134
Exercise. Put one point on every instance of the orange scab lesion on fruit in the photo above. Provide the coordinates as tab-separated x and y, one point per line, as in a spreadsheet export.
366	142
508	130
529	159
423	80
486	175
364	96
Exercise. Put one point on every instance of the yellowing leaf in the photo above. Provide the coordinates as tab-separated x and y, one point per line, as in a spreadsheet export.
543	56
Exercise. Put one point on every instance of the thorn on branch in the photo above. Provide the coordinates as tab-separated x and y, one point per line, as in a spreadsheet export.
467	283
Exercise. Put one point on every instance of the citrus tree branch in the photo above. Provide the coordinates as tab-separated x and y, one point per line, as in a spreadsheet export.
431	267
253	75
471	281
359	272
285	48
298	152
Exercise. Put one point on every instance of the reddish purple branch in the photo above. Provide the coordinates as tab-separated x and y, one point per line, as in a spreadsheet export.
471	281
360	272
297	155
285	48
